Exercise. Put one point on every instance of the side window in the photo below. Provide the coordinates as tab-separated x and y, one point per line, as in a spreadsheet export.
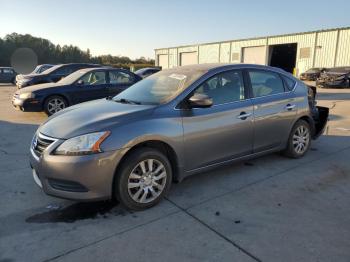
43	68
265	83
289	82
224	87
62	71
7	71
94	78
118	77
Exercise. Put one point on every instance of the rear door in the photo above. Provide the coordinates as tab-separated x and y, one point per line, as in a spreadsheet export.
225	130
274	109
94	86
119	81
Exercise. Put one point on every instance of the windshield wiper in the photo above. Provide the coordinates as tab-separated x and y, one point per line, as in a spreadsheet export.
127	101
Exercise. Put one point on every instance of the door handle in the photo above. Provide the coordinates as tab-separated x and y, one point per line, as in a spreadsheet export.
290	107
244	115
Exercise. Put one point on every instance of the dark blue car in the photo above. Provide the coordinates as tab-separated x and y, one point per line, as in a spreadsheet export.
83	85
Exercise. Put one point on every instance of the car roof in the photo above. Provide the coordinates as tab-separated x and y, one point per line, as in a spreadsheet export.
102	68
218	66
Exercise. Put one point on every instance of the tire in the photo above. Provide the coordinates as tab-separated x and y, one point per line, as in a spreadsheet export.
297	138
134	185
13	81
53	104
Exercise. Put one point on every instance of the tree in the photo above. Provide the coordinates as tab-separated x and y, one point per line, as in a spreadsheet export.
50	53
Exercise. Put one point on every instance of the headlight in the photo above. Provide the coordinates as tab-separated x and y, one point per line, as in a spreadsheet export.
26	95
82	145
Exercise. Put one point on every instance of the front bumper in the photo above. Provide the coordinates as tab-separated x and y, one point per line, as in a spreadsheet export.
83	178
21	84
29	104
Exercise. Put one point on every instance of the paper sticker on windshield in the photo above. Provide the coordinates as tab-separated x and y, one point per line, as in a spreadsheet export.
178	76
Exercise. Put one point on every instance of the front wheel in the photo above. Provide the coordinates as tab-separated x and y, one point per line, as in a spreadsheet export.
299	140
143	179
54	104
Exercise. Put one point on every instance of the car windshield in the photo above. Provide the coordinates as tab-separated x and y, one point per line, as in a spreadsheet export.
161	87
70	79
36	70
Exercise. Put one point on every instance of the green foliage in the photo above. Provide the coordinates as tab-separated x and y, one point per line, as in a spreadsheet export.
49	53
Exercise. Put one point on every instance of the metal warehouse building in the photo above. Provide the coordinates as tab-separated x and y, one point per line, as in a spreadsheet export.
292	52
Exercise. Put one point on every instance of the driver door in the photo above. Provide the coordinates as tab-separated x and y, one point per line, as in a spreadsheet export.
219	133
93	85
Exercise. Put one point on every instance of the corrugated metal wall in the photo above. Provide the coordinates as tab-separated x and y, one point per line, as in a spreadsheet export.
327	48
225	49
343	54
209	53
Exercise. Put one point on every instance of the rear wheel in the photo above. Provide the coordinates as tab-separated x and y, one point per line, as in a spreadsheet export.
299	140
143	179
54	104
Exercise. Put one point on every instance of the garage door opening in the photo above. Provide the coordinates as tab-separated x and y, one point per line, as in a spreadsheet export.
254	55
283	56
163	61
188	58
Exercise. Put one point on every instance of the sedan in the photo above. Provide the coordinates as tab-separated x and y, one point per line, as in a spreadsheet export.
173	124
312	74
337	77
38	70
52	74
81	86
7	75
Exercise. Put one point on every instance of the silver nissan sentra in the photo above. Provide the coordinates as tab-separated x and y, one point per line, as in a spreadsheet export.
170	125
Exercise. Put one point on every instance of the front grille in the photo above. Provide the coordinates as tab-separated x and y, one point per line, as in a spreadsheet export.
40	143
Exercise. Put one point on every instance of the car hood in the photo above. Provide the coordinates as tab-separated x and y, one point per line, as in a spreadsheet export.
93	116
38	87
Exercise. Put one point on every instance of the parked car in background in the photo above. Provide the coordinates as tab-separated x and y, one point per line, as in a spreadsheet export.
337	77
83	85
52	74
145	72
38	70
171	125
7	75
312	74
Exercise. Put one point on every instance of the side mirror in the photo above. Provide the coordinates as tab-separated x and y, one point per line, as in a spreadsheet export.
200	101
80	82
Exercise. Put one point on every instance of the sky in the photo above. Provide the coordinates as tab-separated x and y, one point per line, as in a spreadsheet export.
135	28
